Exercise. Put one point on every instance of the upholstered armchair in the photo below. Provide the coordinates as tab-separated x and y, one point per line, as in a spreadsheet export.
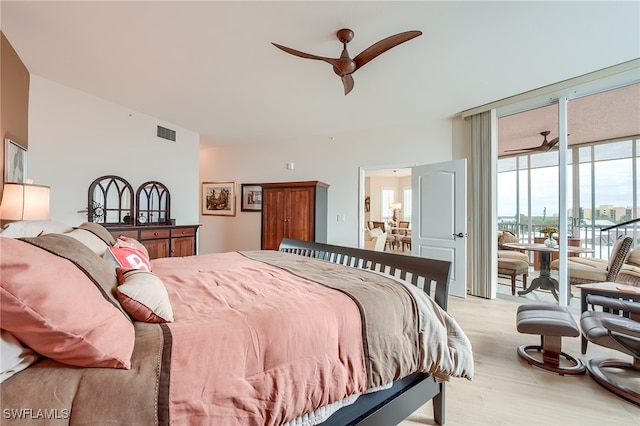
615	332
507	253
589	270
375	239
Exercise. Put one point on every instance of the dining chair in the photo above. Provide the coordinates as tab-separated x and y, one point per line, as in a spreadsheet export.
403	228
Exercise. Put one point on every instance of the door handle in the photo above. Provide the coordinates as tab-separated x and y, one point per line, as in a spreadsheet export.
458	235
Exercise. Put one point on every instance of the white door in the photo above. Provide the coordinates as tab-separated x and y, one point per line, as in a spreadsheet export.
439	217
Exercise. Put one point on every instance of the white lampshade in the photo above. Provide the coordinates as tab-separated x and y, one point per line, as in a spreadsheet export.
395	206
24	202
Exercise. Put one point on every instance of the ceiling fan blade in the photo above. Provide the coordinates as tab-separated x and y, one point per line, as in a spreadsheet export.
553	143
383	45
294	52
347	81
535	148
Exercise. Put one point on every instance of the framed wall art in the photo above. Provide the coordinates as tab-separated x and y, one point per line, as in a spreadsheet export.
251	197
15	162
219	198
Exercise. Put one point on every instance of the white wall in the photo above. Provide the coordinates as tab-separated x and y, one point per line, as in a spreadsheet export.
335	160
75	138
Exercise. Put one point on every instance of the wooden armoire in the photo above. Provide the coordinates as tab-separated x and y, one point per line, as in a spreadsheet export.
295	210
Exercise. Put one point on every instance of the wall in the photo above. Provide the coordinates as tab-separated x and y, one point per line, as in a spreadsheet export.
76	138
14	98
335	160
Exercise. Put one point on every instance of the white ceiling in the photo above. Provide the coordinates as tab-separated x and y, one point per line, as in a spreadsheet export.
209	66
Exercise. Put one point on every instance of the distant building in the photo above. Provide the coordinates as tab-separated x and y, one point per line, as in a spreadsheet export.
615	214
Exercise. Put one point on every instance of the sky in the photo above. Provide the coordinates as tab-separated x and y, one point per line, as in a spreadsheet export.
613	186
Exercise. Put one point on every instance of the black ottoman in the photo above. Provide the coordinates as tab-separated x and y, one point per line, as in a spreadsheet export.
551	322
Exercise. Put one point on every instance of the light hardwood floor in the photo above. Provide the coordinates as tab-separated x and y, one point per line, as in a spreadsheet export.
507	391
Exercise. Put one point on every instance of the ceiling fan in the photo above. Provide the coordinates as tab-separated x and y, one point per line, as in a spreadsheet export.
544	147
344	66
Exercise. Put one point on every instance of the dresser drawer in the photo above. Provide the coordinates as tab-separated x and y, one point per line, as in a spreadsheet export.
152	234
130	234
183	232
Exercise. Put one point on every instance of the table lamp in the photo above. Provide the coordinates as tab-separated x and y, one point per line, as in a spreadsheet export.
395	207
22	201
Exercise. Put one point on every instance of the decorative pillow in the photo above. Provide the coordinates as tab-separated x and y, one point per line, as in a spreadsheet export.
58	298
373	233
33	228
15	356
132	243
634	257
129	258
89	239
507	237
143	296
99	231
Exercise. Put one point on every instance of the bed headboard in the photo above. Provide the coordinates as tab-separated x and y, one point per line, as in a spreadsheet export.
429	274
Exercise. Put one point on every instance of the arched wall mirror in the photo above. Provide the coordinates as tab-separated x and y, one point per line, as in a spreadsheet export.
110	201
153	203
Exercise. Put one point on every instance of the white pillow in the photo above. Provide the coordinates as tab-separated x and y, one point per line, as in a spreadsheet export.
33	228
89	239
143	295
14	357
376	232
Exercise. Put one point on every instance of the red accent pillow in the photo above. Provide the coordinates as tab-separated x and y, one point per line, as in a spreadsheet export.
132	243
130	258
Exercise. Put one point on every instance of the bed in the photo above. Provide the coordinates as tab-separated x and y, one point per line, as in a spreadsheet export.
310	334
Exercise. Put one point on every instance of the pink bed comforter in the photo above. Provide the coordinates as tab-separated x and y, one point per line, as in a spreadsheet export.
258	338
249	328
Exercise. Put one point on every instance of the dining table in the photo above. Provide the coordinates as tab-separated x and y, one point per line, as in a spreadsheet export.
545	281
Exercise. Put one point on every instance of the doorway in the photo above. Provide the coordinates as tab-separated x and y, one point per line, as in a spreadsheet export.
387	200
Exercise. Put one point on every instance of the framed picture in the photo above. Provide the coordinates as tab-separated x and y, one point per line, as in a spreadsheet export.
15	162
251	197
219	198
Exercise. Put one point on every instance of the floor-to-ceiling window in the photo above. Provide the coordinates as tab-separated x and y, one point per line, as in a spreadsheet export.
605	180
601	183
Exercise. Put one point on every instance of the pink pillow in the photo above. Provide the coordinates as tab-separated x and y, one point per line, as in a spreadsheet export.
130	258
143	295
58	301
132	243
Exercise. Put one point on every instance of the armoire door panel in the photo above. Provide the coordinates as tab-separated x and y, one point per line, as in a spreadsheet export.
293	210
274	223
300	218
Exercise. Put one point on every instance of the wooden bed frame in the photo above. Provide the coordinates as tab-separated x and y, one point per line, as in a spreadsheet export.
390	406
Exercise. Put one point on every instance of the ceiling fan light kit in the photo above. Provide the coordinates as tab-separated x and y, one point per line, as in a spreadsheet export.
345	66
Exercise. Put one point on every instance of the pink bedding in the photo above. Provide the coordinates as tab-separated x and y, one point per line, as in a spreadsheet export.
258	338
263	326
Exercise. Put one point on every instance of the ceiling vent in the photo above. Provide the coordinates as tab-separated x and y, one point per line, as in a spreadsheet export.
167	134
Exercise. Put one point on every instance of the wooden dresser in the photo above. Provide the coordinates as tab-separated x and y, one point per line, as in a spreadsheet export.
296	210
162	240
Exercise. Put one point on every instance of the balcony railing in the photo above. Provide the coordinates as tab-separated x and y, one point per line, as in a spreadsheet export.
597	237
